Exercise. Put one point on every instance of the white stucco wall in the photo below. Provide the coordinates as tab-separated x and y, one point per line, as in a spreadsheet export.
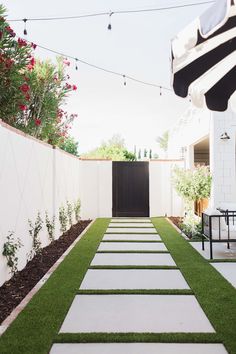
34	178
96	188
163	198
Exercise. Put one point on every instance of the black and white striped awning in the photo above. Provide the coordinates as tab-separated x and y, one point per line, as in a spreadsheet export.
204	58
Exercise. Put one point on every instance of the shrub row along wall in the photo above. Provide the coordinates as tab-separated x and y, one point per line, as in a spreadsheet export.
35	178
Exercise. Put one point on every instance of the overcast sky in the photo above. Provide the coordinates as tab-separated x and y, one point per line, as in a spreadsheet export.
138	45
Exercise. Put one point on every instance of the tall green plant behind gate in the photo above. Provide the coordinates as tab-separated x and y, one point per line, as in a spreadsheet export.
192	185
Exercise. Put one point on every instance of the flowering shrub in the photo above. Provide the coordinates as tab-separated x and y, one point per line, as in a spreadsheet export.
15	58
192	185
32	92
191	225
43	117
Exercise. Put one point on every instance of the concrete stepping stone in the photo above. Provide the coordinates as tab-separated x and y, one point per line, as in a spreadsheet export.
131	220
132	246
137	348
135	313
138	230
220	250
129	224
107	279
133	259
131	237
228	270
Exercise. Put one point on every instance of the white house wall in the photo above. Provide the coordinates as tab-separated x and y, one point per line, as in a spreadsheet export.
222	159
191	128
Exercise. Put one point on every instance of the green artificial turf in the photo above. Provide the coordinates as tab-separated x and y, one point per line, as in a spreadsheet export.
137	292
131	267
137	337
215	294
35	328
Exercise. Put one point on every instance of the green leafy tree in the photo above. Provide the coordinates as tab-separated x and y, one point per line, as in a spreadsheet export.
139	154
150	154
114	149
163	141
70	145
192	185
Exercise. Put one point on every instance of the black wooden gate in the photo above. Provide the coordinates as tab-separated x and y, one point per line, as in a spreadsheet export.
130	184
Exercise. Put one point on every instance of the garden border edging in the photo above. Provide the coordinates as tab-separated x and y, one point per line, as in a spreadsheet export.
8	321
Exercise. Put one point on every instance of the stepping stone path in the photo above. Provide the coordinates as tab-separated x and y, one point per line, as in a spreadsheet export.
131	257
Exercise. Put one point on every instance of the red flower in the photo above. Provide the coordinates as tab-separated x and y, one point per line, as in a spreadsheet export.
68	86
31	64
37	122
9	63
32	61
66	62
24	88
22	107
10	31
74	87
34	46
27	97
1	35
22	42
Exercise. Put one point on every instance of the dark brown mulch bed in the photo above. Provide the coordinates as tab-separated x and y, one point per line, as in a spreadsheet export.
176	220
13	291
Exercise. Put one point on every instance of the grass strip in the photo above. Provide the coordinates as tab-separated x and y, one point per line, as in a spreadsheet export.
131	267
136	292
37	325
137	338
216	296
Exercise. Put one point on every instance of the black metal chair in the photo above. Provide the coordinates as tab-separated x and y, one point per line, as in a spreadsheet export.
218	228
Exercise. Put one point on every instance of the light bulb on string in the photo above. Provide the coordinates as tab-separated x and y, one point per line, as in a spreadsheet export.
124	77
160	91
25	30
109	27
76	65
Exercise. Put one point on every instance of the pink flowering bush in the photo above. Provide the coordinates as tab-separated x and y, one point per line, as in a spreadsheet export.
15	56
33	92
43	117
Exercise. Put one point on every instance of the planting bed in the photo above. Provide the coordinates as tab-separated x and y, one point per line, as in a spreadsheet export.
13	291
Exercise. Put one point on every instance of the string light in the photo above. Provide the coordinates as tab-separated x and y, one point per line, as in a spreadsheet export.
160	91
25	30
124	77
76	65
109	25
112	12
